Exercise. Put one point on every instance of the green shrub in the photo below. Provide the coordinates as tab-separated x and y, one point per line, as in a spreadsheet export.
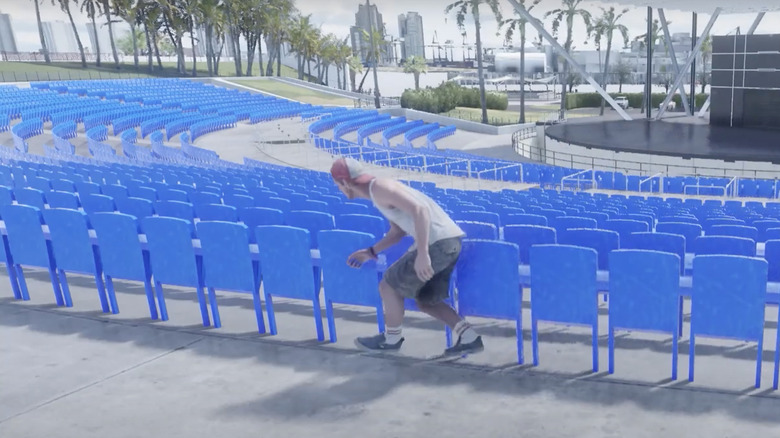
447	96
496	101
593	100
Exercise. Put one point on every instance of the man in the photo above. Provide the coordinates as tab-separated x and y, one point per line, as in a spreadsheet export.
423	273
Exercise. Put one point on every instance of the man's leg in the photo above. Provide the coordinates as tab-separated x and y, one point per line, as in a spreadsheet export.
441	311
393	304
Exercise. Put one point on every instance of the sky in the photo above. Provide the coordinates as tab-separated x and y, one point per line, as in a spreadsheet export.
335	16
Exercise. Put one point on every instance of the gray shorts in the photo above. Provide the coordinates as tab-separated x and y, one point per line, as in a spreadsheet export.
402	277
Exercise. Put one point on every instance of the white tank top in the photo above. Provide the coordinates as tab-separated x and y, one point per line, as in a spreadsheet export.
442	226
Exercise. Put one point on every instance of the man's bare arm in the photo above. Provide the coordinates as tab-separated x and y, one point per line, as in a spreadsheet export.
391	193
392	237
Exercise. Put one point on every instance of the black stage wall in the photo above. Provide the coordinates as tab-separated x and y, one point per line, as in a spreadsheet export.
746	81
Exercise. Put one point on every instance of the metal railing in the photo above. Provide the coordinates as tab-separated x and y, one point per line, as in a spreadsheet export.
734	184
650	178
577	177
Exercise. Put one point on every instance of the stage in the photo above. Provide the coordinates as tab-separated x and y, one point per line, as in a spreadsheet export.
683	137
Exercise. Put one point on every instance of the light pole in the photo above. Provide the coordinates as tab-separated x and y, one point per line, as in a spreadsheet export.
376	55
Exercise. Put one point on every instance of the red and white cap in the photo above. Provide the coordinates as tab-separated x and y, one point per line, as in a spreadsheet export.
349	169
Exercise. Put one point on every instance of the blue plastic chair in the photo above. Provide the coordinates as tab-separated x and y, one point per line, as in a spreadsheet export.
254	217
363	223
216	212
489	268
142	192
137	207
479	216
734	231
563	290
526	236
644	294
228	265
624	227
349	208
724	245
728	301
690	231
662	242
62	200
239	201
84	188
285	255
5	257
763	226
94	203
526	219
276	204
173	195
603	241
7	196
177	209
563	223
121	253
115	191
343	284
31	197
73	252
772	256
313	221
28	246
173	259
478	230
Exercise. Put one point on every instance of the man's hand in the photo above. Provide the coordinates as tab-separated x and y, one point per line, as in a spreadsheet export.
357	258
422	266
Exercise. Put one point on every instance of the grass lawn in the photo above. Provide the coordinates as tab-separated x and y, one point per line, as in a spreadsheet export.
533	113
296	93
35	71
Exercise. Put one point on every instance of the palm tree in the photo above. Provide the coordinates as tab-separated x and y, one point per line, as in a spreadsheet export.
107	11
277	31
654	38
519	24
374	53
45	49
355	68
706	55
416	66
90	7
568	13
464	8
128	11
65	6
605	26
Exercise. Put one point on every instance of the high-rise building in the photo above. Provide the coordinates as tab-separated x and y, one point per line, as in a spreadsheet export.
7	39
366	19
410	29
101	36
59	37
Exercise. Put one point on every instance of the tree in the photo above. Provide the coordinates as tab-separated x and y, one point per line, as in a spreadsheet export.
128	11
374	53
706	56
355	68
623	72
91	7
519	24
127	42
107	12
44	49
277	31
567	14
605	27
464	8
65	6
653	39
416	66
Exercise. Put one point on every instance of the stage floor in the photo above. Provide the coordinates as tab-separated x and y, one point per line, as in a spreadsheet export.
673	138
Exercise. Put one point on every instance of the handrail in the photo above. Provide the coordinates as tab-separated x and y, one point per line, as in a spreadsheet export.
735	182
649	178
510	166
581	172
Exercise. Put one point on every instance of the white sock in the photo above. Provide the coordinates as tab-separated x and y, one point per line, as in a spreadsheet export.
392	335
466	333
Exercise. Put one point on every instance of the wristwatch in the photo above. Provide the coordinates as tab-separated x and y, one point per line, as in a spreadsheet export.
371	250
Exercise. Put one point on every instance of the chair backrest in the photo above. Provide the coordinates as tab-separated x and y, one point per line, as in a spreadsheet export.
683	219
276	204
84	188
489	267
479	216
313	221
603	241
62	200
285	255
120	247
563	223
563	284
343	284
205	198
713	221
170	250
762	226
94	203
115	191
177	209
644	289
254	217
526	219
363	223
70	241
478	230
690	231
227	263
601	218
661	242
725	245
314	205
239	201
772	256
173	195
350	208
396	251
624	227
216	212
26	241
734	231
137	207
729	296
143	192
526	236
31	197
6	195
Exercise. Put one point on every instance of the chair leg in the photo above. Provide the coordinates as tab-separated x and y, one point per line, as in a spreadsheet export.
161	300
258	311
535	341
331	320
55	285
149	296
380	318
595	347
691	349
611	350
14	282
214	307
758	362
22	283
204	311
318	317
65	290
519	335
681	317
102	294
269	307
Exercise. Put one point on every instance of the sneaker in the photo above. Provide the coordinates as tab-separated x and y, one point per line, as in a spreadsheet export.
463	349
377	343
